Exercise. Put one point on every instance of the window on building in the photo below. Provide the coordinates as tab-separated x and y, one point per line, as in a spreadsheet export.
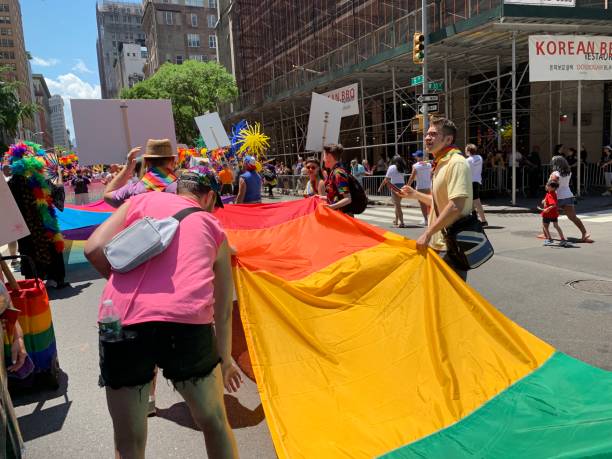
196	57
194	2
169	17
193	40
212	41
6	32
4	7
194	20
179	59
7	55
212	21
7	42
5	19
212	3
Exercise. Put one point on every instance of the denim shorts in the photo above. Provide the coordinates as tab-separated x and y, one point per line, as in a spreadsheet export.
183	351
566	202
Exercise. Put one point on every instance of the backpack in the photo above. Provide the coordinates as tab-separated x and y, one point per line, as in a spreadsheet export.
359	198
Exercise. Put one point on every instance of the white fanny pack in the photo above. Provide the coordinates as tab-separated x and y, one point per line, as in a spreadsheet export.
143	240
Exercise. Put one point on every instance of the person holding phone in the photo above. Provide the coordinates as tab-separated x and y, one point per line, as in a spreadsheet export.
394	179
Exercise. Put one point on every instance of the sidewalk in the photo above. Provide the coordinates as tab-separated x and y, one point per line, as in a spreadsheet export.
504	206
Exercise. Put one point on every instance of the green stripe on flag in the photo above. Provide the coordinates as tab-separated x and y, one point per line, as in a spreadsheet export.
561	410
39	341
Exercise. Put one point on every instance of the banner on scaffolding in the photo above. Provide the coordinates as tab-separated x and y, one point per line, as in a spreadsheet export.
570	57
348	96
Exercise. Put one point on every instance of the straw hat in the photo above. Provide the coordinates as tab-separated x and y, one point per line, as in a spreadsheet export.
159	149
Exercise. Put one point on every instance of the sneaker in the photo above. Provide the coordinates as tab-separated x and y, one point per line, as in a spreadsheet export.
548	242
51	284
606	193
484	224
15	266
423	222
564	243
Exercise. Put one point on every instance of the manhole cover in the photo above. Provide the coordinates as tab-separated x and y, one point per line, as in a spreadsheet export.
601	287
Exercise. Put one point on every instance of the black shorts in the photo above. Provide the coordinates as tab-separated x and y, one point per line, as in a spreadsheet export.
549	220
183	351
475	190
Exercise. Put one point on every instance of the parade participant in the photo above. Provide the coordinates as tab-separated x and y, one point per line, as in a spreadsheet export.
315	185
80	183
550	214
451	188
395	175
562	173
475	162
249	186
159	161
166	317
227	178
33	194
421	173
337	182
606	164
270	179
358	170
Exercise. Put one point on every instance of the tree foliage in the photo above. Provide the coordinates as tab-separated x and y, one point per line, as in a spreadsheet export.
193	87
12	110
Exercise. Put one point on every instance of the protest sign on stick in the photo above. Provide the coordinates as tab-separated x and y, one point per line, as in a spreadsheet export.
323	123
212	131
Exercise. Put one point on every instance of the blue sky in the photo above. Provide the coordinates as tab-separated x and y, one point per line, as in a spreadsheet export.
61	36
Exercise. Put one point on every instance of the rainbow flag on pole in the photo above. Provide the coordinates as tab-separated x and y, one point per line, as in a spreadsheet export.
362	347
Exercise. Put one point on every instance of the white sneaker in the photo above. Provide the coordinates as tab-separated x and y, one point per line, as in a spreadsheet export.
606	193
423	222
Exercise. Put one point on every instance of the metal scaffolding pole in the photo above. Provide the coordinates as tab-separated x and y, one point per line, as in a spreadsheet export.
579	135
560	113
394	112
513	118
499	118
295	129
446	114
550	133
425	33
364	141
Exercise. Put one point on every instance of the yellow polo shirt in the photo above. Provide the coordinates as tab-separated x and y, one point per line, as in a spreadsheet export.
451	179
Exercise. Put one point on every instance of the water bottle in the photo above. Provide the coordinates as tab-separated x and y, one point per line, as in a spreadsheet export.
110	323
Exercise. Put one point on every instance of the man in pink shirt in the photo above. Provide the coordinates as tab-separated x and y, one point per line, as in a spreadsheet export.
167	306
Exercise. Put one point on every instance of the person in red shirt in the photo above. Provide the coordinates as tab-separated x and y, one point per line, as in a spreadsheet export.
550	214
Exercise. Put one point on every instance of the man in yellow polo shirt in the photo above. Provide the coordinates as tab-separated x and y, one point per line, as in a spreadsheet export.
451	190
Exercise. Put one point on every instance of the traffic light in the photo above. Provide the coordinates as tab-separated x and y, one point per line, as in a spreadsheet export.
418	48
417	123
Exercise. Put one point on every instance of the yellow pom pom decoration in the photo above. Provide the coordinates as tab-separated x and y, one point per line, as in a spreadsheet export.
253	141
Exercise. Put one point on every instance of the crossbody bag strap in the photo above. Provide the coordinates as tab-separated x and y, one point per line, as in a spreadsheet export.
181	214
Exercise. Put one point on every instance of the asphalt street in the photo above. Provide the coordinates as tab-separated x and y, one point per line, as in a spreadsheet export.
525	280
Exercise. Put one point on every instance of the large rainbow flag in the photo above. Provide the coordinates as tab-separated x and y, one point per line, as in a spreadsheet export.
363	347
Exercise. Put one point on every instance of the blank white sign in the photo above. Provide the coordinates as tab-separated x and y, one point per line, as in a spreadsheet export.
12	225
100	133
212	131
323	123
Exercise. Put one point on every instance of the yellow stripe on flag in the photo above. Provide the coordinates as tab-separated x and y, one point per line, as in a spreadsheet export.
378	349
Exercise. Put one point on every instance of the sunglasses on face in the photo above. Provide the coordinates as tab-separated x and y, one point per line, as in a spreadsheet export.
311	168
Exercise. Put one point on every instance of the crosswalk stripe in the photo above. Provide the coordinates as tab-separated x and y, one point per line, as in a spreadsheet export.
391	212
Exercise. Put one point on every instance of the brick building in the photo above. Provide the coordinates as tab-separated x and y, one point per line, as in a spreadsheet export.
178	30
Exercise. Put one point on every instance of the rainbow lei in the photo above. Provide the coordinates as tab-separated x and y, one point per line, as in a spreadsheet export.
157	179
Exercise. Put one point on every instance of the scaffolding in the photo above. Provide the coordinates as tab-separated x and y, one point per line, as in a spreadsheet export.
477	52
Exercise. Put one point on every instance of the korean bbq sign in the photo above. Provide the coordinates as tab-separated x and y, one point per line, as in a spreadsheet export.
348	96
569	57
